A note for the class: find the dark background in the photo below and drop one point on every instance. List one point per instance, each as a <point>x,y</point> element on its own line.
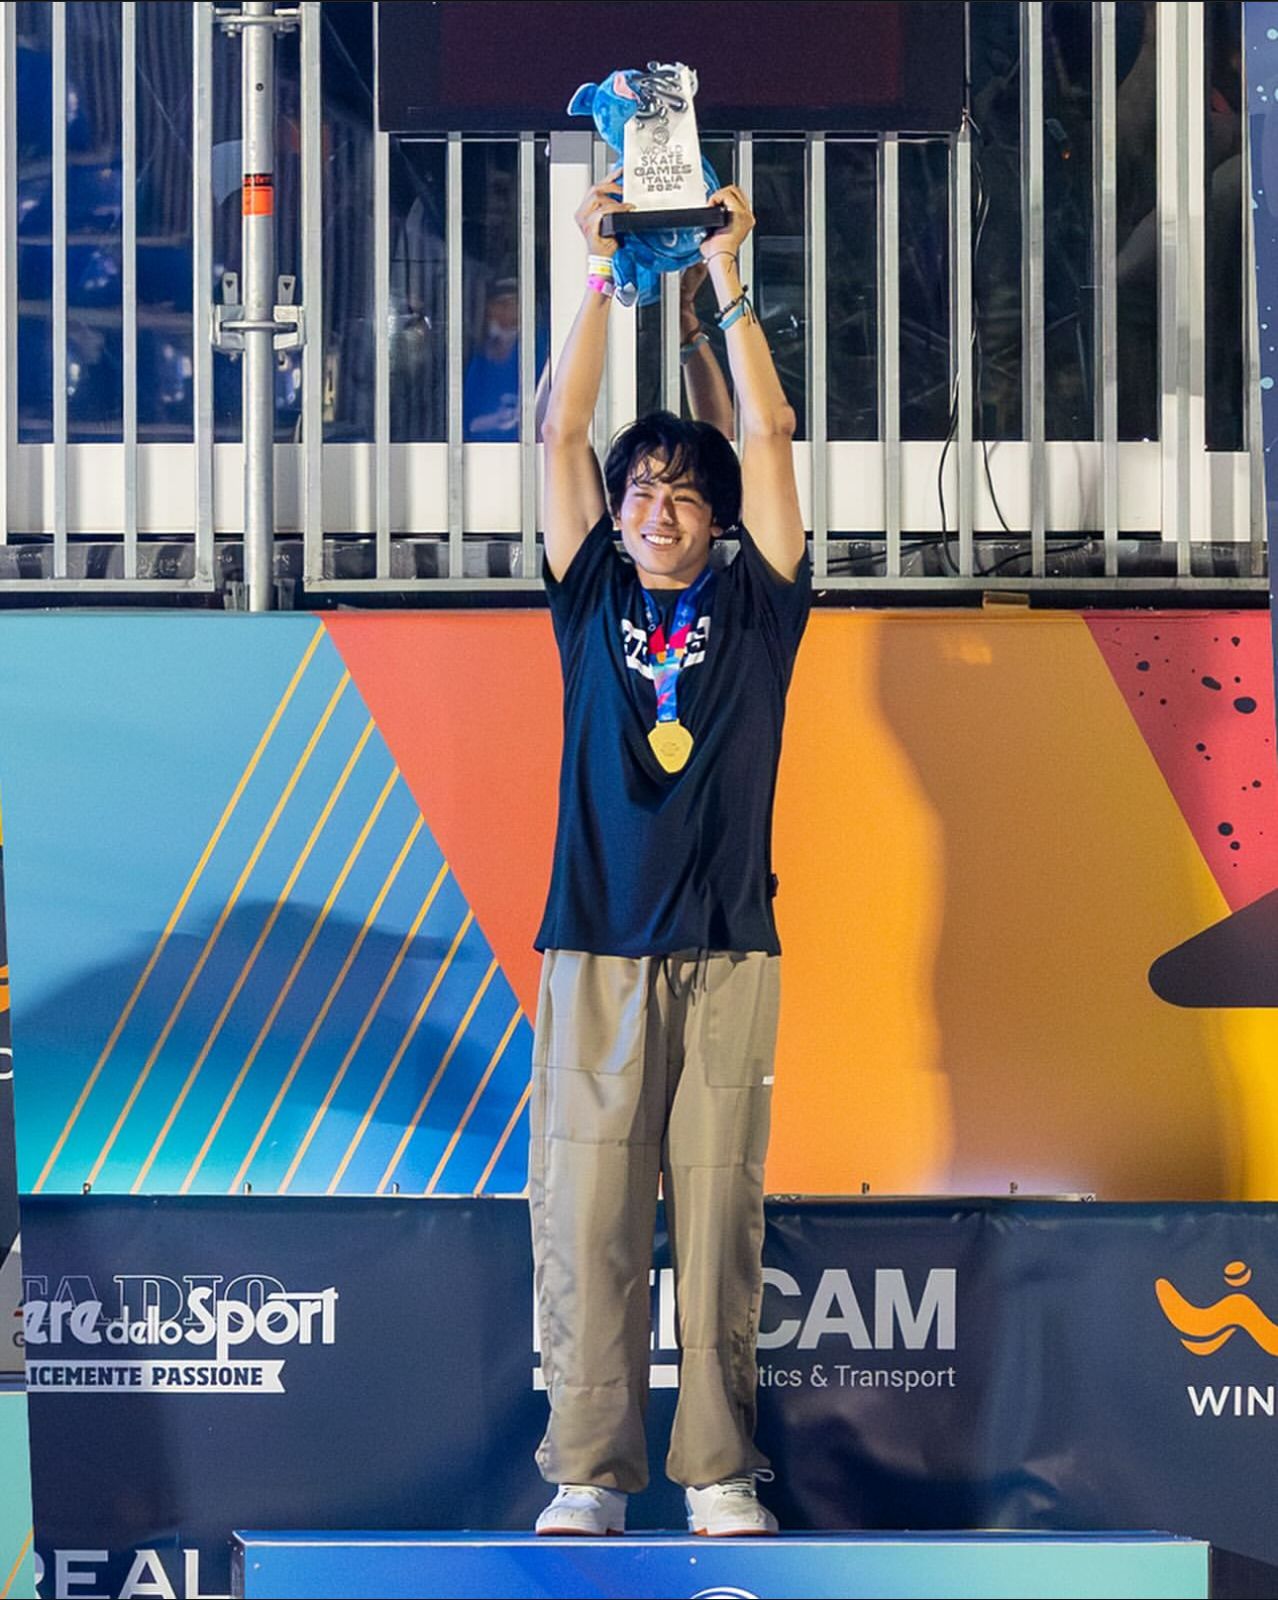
<point>805,64</point>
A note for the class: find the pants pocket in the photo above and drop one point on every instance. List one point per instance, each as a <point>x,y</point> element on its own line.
<point>589,1045</point>
<point>741,1006</point>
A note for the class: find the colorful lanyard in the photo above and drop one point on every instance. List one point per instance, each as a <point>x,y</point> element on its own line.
<point>665,657</point>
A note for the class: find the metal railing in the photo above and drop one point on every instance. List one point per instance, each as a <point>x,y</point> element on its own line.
<point>889,514</point>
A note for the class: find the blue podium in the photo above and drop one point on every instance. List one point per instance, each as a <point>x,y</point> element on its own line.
<point>914,1566</point>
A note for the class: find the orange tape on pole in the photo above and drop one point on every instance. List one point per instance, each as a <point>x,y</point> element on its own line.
<point>259,194</point>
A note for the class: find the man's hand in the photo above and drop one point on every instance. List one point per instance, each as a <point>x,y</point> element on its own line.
<point>601,200</point>
<point>728,240</point>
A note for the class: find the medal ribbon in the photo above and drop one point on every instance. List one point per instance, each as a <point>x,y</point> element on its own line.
<point>666,656</point>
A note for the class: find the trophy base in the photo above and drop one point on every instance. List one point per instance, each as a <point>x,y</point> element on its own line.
<point>617,223</point>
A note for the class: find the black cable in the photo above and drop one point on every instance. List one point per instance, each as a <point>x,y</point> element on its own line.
<point>978,369</point>
<point>982,212</point>
<point>978,359</point>
<point>1025,555</point>
<point>839,563</point>
<point>950,431</point>
<point>982,215</point>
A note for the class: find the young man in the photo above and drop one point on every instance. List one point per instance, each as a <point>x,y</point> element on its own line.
<point>657,1013</point>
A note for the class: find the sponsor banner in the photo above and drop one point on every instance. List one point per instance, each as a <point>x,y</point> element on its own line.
<point>208,1364</point>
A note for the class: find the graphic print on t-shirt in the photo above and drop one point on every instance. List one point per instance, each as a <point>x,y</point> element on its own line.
<point>634,644</point>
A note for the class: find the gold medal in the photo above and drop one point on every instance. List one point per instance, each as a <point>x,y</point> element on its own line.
<point>671,744</point>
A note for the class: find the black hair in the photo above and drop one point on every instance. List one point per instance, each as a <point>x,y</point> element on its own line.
<point>693,449</point>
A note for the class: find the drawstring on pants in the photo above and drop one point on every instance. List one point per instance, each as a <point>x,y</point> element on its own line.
<point>698,980</point>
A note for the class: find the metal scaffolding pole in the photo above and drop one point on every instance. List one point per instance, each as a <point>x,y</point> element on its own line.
<point>257,111</point>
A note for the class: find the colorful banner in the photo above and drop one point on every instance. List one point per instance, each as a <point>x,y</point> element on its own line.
<point>208,1364</point>
<point>922,1566</point>
<point>272,898</point>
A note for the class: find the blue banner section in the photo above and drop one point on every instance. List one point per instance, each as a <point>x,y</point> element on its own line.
<point>279,981</point>
<point>911,1566</point>
<point>214,1363</point>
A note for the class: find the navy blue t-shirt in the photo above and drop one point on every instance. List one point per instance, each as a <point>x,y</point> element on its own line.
<point>649,862</point>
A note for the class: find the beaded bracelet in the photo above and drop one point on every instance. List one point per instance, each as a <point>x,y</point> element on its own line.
<point>725,316</point>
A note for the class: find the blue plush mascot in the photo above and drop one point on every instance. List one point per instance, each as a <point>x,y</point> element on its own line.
<point>641,258</point>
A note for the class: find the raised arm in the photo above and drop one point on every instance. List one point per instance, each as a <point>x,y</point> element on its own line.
<point>703,380</point>
<point>574,493</point>
<point>769,494</point>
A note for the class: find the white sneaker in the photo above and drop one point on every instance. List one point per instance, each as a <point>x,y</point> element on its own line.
<point>582,1508</point>
<point>722,1510</point>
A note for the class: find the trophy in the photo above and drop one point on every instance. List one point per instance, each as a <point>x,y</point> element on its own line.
<point>661,157</point>
<point>648,117</point>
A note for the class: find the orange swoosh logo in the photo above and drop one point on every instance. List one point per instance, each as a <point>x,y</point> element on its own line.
<point>1206,1328</point>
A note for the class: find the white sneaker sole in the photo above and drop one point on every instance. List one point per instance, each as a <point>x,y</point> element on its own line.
<point>735,1533</point>
<point>580,1533</point>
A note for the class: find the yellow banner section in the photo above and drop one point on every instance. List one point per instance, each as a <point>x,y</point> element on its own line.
<point>979,861</point>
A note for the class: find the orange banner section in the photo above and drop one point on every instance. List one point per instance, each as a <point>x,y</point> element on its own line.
<point>468,704</point>
<point>979,861</point>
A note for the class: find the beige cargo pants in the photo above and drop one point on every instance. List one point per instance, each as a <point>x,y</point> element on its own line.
<point>653,1067</point>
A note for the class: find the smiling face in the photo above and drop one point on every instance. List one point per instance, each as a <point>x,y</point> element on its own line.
<point>666,527</point>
